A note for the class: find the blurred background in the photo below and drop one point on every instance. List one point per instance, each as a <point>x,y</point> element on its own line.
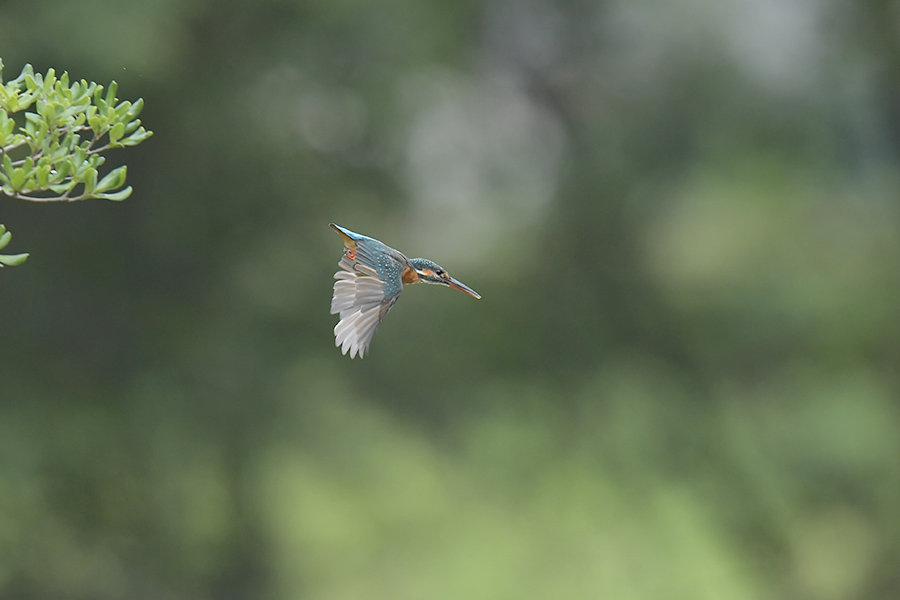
<point>683,380</point>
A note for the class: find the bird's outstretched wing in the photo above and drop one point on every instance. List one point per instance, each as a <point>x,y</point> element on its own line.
<point>363,297</point>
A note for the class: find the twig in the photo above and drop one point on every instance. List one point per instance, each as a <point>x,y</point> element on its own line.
<point>64,198</point>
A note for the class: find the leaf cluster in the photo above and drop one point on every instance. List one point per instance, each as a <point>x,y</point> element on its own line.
<point>53,151</point>
<point>53,134</point>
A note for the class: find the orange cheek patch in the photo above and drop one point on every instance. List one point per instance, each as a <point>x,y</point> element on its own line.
<point>409,276</point>
<point>351,254</point>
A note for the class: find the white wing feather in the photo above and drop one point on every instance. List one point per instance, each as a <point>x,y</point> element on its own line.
<point>360,300</point>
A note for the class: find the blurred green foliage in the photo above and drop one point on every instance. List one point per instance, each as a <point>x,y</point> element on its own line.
<point>682,380</point>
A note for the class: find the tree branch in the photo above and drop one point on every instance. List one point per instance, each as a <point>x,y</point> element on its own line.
<point>64,198</point>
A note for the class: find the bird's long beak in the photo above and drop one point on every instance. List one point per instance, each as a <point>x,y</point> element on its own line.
<point>454,283</point>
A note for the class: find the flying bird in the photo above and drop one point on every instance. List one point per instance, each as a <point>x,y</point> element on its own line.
<point>371,278</point>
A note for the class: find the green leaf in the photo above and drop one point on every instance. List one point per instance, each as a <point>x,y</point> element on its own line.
<point>17,179</point>
<point>11,260</point>
<point>137,137</point>
<point>136,108</point>
<point>43,176</point>
<point>96,124</point>
<point>62,188</point>
<point>111,93</point>
<point>116,133</point>
<point>26,71</point>
<point>25,100</point>
<point>115,179</point>
<point>64,169</point>
<point>49,81</point>
<point>123,109</point>
<point>7,125</point>
<point>5,236</point>
<point>90,181</point>
<point>116,196</point>
<point>48,110</point>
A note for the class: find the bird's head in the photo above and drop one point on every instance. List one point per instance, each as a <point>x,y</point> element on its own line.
<point>431,272</point>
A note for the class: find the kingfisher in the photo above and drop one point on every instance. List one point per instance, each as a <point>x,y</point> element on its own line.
<point>371,278</point>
